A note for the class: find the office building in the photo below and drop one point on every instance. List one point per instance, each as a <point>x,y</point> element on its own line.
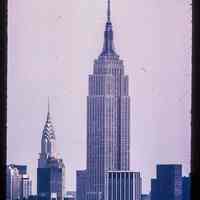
<point>25,186</point>
<point>81,184</point>
<point>123,185</point>
<point>33,197</point>
<point>168,183</point>
<point>25,182</point>
<point>51,169</point>
<point>21,168</point>
<point>145,197</point>
<point>19,184</point>
<point>186,188</point>
<point>70,195</point>
<point>13,181</point>
<point>108,116</point>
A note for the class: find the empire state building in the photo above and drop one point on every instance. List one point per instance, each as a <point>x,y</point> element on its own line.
<point>108,117</point>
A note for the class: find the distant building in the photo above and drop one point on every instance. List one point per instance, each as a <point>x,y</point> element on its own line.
<point>51,170</point>
<point>145,197</point>
<point>69,198</point>
<point>26,186</point>
<point>168,184</point>
<point>21,168</point>
<point>70,195</point>
<point>186,187</point>
<point>123,185</point>
<point>81,184</point>
<point>33,197</point>
<point>154,189</point>
<point>25,182</point>
<point>13,180</point>
<point>19,184</point>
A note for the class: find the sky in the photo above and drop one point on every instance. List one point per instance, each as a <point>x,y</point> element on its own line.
<point>51,48</point>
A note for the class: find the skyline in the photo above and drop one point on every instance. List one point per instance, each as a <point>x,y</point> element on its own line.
<point>56,87</point>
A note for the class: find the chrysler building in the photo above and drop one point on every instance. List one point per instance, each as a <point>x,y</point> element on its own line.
<point>51,169</point>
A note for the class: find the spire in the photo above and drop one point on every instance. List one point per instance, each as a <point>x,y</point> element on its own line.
<point>48,136</point>
<point>108,11</point>
<point>48,105</point>
<point>48,128</point>
<point>48,112</point>
<point>108,47</point>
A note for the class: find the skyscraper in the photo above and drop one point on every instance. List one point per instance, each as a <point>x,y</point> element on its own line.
<point>51,169</point>
<point>108,116</point>
<point>168,184</point>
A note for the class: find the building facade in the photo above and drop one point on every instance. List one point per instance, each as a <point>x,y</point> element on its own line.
<point>26,186</point>
<point>13,180</point>
<point>154,189</point>
<point>51,169</point>
<point>81,184</point>
<point>186,188</point>
<point>168,184</point>
<point>21,168</point>
<point>19,184</point>
<point>70,195</point>
<point>123,185</point>
<point>25,182</point>
<point>145,197</point>
<point>108,117</point>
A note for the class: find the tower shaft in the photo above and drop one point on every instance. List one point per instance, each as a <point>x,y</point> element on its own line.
<point>108,117</point>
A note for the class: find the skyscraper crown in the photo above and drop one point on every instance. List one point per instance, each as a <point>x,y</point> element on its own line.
<point>108,47</point>
<point>48,128</point>
<point>48,138</point>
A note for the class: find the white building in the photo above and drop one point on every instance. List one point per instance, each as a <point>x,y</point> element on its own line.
<point>19,184</point>
<point>13,179</point>
<point>123,185</point>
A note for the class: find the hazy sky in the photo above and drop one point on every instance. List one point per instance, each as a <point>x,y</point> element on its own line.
<point>52,45</point>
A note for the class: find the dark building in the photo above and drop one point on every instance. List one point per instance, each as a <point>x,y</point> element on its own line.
<point>51,170</point>
<point>21,168</point>
<point>51,179</point>
<point>154,189</point>
<point>168,184</point>
<point>81,184</point>
<point>145,197</point>
<point>69,198</point>
<point>33,197</point>
<point>186,185</point>
<point>123,185</point>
